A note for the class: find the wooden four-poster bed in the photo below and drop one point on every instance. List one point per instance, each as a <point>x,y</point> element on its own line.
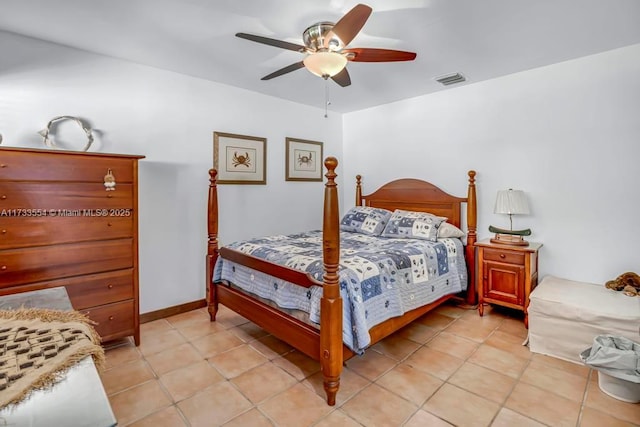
<point>325,343</point>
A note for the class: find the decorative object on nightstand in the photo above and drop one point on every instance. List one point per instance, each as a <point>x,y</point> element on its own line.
<point>510,202</point>
<point>506,274</point>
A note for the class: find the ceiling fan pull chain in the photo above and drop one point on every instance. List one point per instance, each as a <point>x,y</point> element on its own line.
<point>326,97</point>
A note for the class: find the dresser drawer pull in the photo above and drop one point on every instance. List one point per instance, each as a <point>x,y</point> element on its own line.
<point>3,197</point>
<point>503,256</point>
<point>3,165</point>
<point>110,286</point>
<point>3,268</point>
<point>109,195</point>
<point>3,231</point>
<point>109,224</point>
<point>110,318</point>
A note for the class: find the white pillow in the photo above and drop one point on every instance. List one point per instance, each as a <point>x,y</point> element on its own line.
<point>449,230</point>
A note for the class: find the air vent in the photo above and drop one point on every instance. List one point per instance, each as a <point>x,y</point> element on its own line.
<point>450,79</point>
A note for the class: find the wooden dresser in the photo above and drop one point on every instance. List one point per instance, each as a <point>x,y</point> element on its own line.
<point>61,226</point>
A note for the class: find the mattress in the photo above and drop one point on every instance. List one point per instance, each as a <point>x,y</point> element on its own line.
<point>380,278</point>
<point>565,316</point>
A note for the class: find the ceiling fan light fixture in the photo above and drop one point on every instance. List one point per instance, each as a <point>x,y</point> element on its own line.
<point>325,64</point>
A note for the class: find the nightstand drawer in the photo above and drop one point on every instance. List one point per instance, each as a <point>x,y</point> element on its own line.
<point>504,256</point>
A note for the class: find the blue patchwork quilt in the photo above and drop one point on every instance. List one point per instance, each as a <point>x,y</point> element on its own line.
<point>380,277</point>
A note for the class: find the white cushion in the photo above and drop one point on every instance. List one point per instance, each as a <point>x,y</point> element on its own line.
<point>565,316</point>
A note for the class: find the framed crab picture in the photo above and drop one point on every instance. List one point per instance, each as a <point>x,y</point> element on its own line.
<point>303,160</point>
<point>240,159</point>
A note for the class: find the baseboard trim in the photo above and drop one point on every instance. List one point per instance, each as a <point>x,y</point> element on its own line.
<point>172,311</point>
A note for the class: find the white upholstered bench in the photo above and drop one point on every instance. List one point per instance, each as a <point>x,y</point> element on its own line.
<point>565,316</point>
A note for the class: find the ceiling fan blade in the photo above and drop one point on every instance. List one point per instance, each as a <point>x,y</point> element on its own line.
<point>342,78</point>
<point>272,42</point>
<point>378,55</point>
<point>350,24</point>
<point>284,70</point>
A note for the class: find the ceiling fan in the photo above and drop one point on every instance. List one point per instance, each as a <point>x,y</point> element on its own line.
<point>325,48</point>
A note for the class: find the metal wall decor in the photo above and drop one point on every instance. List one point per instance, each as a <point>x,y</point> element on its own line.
<point>51,144</point>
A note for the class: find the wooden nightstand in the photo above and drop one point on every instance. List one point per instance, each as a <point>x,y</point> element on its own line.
<point>506,275</point>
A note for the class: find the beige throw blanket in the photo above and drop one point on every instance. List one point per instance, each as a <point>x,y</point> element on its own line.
<point>38,345</point>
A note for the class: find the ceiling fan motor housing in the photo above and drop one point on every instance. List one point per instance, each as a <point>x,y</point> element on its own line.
<point>314,37</point>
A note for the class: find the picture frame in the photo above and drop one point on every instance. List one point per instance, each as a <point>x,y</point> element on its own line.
<point>240,159</point>
<point>303,160</point>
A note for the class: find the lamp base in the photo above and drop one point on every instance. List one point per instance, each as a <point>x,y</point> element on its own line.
<point>509,239</point>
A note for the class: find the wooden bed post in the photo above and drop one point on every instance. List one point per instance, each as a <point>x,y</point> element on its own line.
<point>212,244</point>
<point>358,190</point>
<point>472,221</point>
<point>331,357</point>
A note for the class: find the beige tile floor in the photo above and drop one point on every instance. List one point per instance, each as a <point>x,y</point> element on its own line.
<point>450,367</point>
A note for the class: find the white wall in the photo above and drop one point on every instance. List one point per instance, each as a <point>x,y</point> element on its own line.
<point>566,134</point>
<point>169,118</point>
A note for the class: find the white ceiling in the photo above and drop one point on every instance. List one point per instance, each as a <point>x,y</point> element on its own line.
<point>481,39</point>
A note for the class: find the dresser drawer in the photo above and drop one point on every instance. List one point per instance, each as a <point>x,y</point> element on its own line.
<point>56,166</point>
<point>21,266</point>
<point>98,289</point>
<point>21,232</point>
<point>52,197</point>
<point>113,320</point>
<point>503,256</point>
<point>87,291</point>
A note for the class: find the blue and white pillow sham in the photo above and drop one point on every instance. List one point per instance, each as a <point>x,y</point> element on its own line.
<point>365,220</point>
<point>413,225</point>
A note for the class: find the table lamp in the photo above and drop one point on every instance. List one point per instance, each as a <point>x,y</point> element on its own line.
<point>510,202</point>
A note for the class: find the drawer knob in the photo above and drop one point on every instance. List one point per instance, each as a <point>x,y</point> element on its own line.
<point>110,286</point>
<point>3,165</point>
<point>3,268</point>
<point>109,224</point>
<point>109,195</point>
<point>3,231</point>
<point>3,197</point>
<point>502,255</point>
<point>110,317</point>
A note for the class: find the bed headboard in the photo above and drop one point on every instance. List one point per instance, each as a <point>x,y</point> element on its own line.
<point>417,195</point>
<point>422,196</point>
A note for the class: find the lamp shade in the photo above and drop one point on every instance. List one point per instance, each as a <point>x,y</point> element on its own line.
<point>512,202</point>
<point>325,64</point>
